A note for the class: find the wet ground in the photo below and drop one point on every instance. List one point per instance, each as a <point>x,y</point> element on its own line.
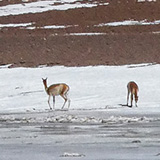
<point>95,141</point>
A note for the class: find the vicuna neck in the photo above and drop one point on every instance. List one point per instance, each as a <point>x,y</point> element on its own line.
<point>45,85</point>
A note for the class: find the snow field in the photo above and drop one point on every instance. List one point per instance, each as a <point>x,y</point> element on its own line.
<point>92,89</point>
<point>95,127</point>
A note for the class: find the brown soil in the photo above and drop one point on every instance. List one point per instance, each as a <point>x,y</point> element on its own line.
<point>120,45</point>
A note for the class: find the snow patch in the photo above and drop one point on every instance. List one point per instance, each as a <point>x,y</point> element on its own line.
<point>128,23</point>
<point>84,34</point>
<point>94,120</point>
<point>15,25</point>
<point>57,27</point>
<point>52,27</point>
<point>146,0</point>
<point>156,32</point>
<point>68,118</point>
<point>43,6</point>
<point>5,66</point>
<point>66,154</point>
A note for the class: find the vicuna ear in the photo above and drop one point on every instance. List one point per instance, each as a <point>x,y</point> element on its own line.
<point>44,79</point>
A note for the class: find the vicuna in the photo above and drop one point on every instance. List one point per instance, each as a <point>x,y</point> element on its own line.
<point>56,90</point>
<point>133,90</point>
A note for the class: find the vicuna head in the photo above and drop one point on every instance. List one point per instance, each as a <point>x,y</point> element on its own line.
<point>44,82</point>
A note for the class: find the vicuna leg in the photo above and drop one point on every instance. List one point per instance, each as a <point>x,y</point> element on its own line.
<point>65,100</point>
<point>69,101</point>
<point>131,99</point>
<point>49,102</point>
<point>135,101</point>
<point>136,104</point>
<point>53,102</point>
<point>127,97</point>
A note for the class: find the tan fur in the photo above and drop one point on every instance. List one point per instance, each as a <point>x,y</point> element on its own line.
<point>133,90</point>
<point>56,90</point>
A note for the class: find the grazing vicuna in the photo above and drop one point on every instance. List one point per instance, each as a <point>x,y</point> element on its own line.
<point>56,90</point>
<point>133,90</point>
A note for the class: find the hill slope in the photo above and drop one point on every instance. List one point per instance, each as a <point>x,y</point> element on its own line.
<point>76,33</point>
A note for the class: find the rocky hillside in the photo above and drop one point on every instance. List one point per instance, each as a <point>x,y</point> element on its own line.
<point>79,32</point>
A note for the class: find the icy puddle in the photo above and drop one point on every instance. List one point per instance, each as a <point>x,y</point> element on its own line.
<point>91,140</point>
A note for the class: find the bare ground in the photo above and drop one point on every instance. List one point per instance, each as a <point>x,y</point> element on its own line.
<point>120,45</point>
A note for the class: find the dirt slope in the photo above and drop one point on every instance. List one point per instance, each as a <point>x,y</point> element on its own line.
<point>116,46</point>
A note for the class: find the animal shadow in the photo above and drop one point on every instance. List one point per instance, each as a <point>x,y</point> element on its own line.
<point>125,105</point>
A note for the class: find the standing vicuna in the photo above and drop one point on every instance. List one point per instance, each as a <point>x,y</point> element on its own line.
<point>56,90</point>
<point>133,90</point>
